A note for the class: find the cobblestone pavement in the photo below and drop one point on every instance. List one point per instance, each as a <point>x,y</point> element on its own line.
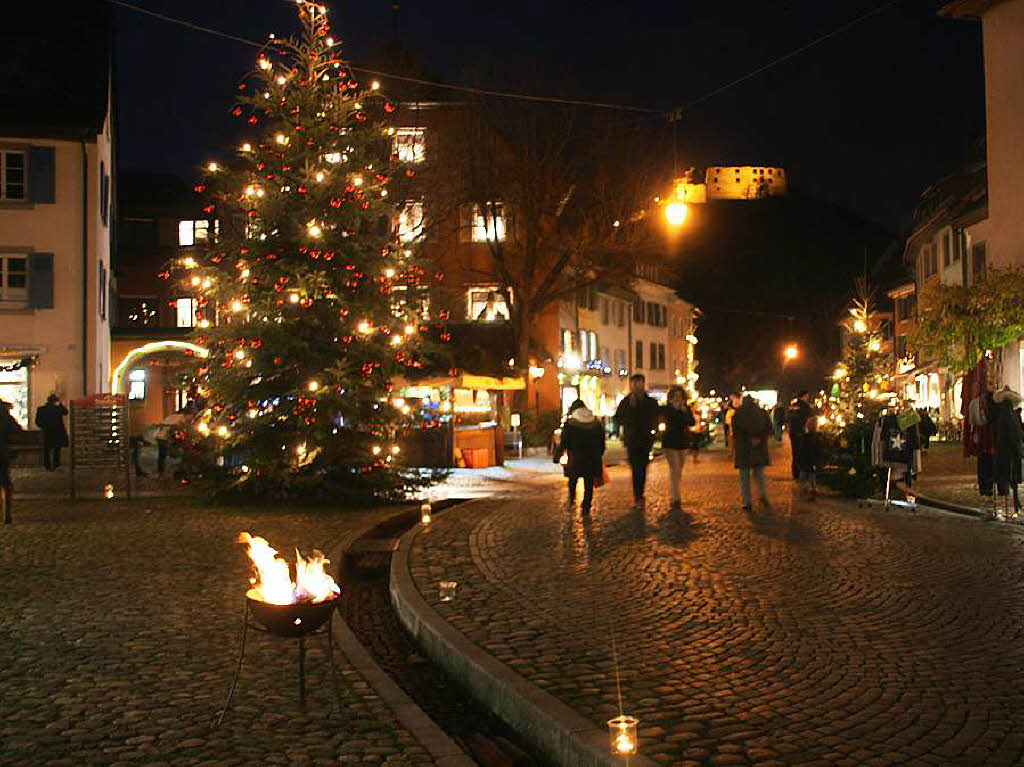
<point>119,632</point>
<point>948,476</point>
<point>804,635</point>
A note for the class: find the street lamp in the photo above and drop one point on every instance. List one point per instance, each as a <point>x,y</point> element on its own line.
<point>675,213</point>
<point>790,352</point>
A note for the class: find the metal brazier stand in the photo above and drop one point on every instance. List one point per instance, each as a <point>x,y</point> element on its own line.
<point>295,621</point>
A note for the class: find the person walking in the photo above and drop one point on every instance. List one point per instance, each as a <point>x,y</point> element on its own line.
<point>8,426</point>
<point>751,429</point>
<point>50,418</point>
<point>727,413</point>
<point>583,444</point>
<point>812,456</point>
<point>637,418</point>
<point>696,433</point>
<point>677,439</point>
<point>799,411</point>
<point>778,420</point>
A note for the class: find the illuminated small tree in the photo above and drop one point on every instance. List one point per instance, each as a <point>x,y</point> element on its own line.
<point>307,303</point>
<point>863,373</point>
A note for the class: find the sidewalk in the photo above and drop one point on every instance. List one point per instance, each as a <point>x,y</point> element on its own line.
<point>950,478</point>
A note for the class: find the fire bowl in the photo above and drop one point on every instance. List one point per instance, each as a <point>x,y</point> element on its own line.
<point>293,620</point>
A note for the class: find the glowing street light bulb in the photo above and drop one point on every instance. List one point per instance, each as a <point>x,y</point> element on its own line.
<point>313,386</point>
<point>676,212</point>
<point>791,352</point>
<point>212,167</point>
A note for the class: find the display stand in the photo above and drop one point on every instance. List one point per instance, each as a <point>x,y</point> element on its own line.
<point>99,443</point>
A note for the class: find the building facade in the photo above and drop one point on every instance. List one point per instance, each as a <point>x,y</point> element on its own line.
<point>1002,23</point>
<point>56,212</point>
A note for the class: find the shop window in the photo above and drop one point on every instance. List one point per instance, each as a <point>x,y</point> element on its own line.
<point>488,304</point>
<point>137,384</point>
<point>14,389</point>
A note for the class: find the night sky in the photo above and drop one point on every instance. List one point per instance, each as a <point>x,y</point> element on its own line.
<point>864,120</point>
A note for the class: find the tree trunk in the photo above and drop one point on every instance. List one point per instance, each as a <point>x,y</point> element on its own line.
<point>521,330</point>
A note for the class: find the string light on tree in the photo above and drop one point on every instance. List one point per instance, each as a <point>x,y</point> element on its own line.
<point>297,271</point>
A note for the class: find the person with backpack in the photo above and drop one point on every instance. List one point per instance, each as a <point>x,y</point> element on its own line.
<point>583,444</point>
<point>751,430</point>
<point>677,439</point>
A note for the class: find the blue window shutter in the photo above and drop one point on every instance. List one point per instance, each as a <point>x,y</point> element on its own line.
<point>40,280</point>
<point>42,174</point>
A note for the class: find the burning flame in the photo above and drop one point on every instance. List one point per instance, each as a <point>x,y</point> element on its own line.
<point>273,582</point>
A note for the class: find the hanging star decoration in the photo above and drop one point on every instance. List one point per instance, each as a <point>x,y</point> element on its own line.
<point>896,441</point>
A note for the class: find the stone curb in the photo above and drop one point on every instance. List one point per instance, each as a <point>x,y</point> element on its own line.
<point>565,736</point>
<point>444,751</point>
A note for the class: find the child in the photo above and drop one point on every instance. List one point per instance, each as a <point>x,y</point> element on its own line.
<point>812,454</point>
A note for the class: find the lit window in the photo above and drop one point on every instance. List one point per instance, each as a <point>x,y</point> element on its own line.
<point>193,232</point>
<point>13,281</point>
<point>12,175</point>
<point>185,312</point>
<point>410,144</point>
<point>14,389</point>
<point>488,304</point>
<point>484,223</point>
<point>138,311</point>
<point>136,384</point>
<point>409,223</point>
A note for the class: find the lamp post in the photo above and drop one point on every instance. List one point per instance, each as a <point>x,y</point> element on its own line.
<point>790,353</point>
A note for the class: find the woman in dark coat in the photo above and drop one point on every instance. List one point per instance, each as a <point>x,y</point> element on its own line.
<point>583,443</point>
<point>1003,410</point>
<point>751,429</point>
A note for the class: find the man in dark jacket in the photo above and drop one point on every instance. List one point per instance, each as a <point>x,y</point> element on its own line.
<point>50,418</point>
<point>583,443</point>
<point>799,411</point>
<point>8,426</point>
<point>637,418</point>
<point>751,430</point>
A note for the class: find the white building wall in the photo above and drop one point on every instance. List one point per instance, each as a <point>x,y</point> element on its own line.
<point>59,335</point>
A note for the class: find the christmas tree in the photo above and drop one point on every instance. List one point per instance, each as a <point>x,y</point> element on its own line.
<point>308,305</point>
<point>863,374</point>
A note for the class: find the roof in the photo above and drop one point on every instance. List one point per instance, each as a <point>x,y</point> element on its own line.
<point>966,9</point>
<point>55,72</point>
<point>960,198</point>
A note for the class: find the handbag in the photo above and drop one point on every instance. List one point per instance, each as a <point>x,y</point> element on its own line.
<point>908,418</point>
<point>604,478</point>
